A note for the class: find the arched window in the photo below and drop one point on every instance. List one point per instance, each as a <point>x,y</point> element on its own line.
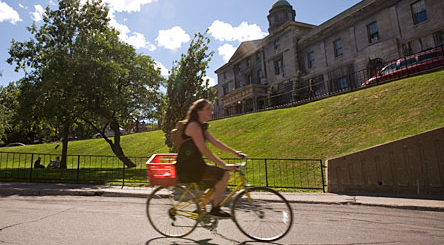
<point>374,65</point>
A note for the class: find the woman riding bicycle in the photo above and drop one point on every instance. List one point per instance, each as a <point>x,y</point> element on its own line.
<point>190,164</point>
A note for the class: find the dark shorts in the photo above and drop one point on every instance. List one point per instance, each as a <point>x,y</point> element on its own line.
<point>212,175</point>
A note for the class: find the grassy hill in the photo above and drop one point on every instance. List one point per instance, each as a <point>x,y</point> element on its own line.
<point>322,129</point>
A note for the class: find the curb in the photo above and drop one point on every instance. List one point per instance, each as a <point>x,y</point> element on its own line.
<point>105,193</point>
<point>407,207</point>
<point>47,192</point>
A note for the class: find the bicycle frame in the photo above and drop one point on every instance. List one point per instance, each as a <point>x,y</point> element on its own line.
<point>204,196</point>
<point>186,207</point>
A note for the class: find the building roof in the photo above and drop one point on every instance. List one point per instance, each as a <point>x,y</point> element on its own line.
<point>280,3</point>
<point>245,49</point>
<point>340,19</point>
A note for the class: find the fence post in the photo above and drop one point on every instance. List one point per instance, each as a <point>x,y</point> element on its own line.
<point>123,173</point>
<point>323,179</point>
<point>266,173</point>
<point>78,168</point>
<point>30,172</point>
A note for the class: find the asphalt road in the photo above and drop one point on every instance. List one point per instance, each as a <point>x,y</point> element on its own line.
<point>117,220</point>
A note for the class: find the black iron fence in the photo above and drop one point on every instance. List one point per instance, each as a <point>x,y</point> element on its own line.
<point>306,174</point>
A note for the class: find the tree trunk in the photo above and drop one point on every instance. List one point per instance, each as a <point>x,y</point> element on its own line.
<point>117,149</point>
<point>65,135</point>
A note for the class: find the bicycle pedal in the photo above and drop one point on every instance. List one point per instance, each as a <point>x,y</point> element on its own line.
<point>218,217</point>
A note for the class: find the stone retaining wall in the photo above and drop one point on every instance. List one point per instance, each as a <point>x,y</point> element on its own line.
<point>412,166</point>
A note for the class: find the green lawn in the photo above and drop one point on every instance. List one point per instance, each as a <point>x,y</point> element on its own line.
<point>322,129</point>
<point>340,124</point>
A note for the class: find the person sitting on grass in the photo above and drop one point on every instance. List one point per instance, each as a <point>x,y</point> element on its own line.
<point>37,163</point>
<point>55,163</point>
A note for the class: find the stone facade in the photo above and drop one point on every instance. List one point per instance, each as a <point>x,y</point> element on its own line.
<point>338,54</point>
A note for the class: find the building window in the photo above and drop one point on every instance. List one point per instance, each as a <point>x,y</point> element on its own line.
<point>373,32</point>
<point>225,75</point>
<point>237,84</point>
<point>237,69</point>
<point>248,79</point>
<point>225,88</point>
<point>260,75</point>
<point>419,12</point>
<point>407,48</point>
<point>278,66</point>
<point>438,37</point>
<point>337,44</point>
<point>343,82</point>
<point>311,59</point>
<point>258,56</point>
<point>277,44</point>
<point>248,62</point>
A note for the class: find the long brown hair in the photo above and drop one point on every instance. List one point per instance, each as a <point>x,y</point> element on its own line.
<point>197,105</point>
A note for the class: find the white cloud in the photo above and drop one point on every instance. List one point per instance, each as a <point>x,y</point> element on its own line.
<point>163,70</point>
<point>127,5</point>
<point>8,14</point>
<point>226,51</point>
<point>138,41</point>
<point>38,14</point>
<point>123,29</point>
<point>173,38</point>
<point>244,32</point>
<point>212,82</point>
<point>21,6</point>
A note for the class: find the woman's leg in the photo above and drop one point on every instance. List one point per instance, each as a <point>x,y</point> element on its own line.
<point>219,180</point>
<point>219,189</point>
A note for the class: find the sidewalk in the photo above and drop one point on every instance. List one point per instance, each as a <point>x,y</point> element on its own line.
<point>43,189</point>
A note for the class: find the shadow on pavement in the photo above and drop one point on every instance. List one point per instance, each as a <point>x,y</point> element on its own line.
<point>209,241</point>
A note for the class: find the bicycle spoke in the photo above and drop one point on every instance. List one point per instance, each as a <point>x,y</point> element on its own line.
<point>260,219</point>
<point>170,211</point>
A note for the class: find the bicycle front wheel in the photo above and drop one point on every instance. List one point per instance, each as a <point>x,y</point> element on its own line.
<point>262,214</point>
<point>172,211</point>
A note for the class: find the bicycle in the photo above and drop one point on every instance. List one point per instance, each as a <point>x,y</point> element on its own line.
<point>260,213</point>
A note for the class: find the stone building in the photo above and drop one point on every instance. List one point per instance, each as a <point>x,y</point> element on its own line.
<point>337,55</point>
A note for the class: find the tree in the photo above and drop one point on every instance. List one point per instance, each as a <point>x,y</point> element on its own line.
<point>3,122</point>
<point>115,86</point>
<point>5,115</point>
<point>186,83</point>
<point>300,90</point>
<point>8,114</point>
<point>272,96</point>
<point>79,70</point>
<point>49,58</point>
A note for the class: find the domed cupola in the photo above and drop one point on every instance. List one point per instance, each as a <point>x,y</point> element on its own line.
<point>280,12</point>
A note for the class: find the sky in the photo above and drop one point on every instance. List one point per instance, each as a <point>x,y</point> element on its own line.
<point>163,29</point>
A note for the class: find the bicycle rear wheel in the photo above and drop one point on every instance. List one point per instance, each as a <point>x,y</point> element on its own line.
<point>265,216</point>
<point>172,211</point>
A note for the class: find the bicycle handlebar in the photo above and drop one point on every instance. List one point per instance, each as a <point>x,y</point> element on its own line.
<point>243,157</point>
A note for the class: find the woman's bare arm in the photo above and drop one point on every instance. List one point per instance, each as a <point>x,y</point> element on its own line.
<point>219,144</point>
<point>195,132</point>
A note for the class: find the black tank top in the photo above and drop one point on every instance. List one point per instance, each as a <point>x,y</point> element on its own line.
<point>190,164</point>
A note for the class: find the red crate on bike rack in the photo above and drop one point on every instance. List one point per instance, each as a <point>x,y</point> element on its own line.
<point>160,169</point>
